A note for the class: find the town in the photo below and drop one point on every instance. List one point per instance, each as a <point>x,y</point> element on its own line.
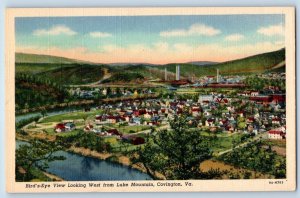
<point>233,112</point>
<point>211,109</point>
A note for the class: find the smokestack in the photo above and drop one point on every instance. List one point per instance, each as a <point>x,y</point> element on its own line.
<point>166,75</point>
<point>217,75</point>
<point>177,72</point>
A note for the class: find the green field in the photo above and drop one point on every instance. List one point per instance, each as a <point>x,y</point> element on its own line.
<point>71,116</point>
<point>128,129</point>
<point>69,133</point>
<point>223,141</point>
<point>118,145</point>
<point>62,134</point>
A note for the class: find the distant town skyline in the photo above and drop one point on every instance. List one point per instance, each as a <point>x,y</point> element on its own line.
<point>151,39</point>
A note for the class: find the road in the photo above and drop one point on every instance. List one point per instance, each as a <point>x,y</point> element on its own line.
<point>257,137</point>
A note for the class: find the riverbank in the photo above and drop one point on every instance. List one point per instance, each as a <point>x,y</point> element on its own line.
<point>40,175</point>
<point>52,176</point>
<point>112,157</point>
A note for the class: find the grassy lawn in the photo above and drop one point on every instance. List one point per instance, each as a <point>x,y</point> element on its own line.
<point>63,134</point>
<point>70,133</point>
<point>129,129</point>
<point>47,124</point>
<point>118,145</point>
<point>223,143</point>
<point>111,140</point>
<point>71,116</point>
<point>221,135</point>
<point>279,143</point>
<point>50,131</point>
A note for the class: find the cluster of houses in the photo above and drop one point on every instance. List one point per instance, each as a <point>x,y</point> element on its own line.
<point>252,112</point>
<point>136,140</point>
<point>272,75</point>
<point>273,102</point>
<point>135,117</point>
<point>92,93</point>
<point>202,113</point>
<point>218,78</point>
<point>70,126</point>
<point>210,81</point>
<point>64,127</point>
<point>101,131</point>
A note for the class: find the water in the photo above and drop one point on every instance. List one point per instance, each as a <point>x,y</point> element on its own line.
<point>80,168</point>
<point>30,115</point>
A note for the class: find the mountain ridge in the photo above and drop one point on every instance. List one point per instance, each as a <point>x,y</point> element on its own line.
<point>85,73</point>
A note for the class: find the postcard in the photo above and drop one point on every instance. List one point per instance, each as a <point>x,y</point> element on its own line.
<point>175,99</point>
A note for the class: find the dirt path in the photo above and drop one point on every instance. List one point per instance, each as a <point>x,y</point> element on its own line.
<point>242,145</point>
<point>53,177</point>
<point>106,75</point>
<point>281,64</point>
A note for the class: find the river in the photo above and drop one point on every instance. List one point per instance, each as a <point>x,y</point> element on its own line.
<point>81,168</point>
<point>51,113</point>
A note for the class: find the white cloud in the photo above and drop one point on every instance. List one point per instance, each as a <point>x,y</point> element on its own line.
<point>272,30</point>
<point>55,30</point>
<point>193,30</point>
<point>234,37</point>
<point>100,34</point>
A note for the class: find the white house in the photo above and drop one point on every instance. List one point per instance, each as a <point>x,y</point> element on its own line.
<point>254,93</point>
<point>276,134</point>
<point>202,98</point>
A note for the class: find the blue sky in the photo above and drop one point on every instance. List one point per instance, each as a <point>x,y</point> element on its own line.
<point>156,39</point>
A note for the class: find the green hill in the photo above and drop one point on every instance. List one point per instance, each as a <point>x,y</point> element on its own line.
<point>32,91</point>
<point>253,64</point>
<point>36,58</point>
<point>68,71</point>
<point>76,74</point>
<point>36,68</point>
<point>59,69</point>
<point>124,77</point>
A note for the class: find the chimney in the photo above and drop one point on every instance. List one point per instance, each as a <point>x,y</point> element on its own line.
<point>166,75</point>
<point>177,72</point>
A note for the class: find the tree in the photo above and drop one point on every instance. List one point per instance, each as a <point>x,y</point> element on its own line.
<point>176,153</point>
<point>37,154</point>
<point>242,125</point>
<point>44,112</point>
